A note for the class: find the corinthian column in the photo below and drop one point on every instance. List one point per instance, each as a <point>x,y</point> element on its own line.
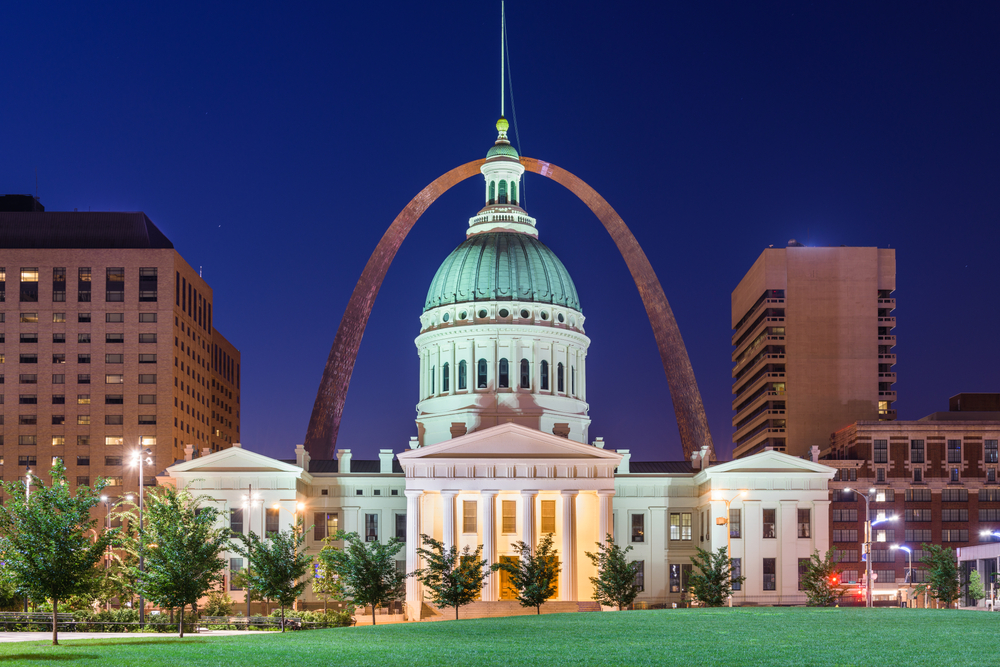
<point>567,578</point>
<point>487,519</point>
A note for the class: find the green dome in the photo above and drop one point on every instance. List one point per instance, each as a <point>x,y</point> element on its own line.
<point>502,266</point>
<point>502,149</point>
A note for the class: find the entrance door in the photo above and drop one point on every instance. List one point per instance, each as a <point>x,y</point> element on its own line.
<point>507,591</point>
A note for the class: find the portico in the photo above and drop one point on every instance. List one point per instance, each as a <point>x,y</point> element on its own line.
<point>506,484</point>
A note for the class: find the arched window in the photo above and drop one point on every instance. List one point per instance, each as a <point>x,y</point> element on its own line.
<point>461,374</point>
<point>559,378</point>
<point>444,377</point>
<point>502,193</point>
<point>481,374</point>
<point>503,375</point>
<point>525,375</point>
<point>433,373</point>
<point>572,379</point>
<point>513,192</point>
<point>545,375</point>
<point>493,192</point>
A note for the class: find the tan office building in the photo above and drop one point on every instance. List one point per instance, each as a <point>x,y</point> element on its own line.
<point>107,345</point>
<point>813,346</point>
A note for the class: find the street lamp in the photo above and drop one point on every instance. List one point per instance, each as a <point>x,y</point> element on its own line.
<point>141,458</point>
<point>724,521</point>
<point>909,567</point>
<point>868,542</point>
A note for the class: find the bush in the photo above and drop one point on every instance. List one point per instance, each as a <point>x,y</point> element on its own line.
<point>124,620</point>
<point>218,604</point>
<point>317,619</point>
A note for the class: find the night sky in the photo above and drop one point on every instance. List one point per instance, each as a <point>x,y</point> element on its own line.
<point>273,144</point>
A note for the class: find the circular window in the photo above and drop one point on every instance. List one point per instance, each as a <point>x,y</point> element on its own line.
<point>445,317</point>
<point>504,312</point>
<point>560,317</point>
<point>545,315</point>
<point>482,313</point>
<point>525,314</point>
<point>462,315</point>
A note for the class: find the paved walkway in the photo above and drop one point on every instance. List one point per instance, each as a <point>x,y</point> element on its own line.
<point>66,636</point>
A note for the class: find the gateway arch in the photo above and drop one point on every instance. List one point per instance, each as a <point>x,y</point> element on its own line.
<point>324,423</point>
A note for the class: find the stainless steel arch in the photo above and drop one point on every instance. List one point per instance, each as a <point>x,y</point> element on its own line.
<point>324,424</point>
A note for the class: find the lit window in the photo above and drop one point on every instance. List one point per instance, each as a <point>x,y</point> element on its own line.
<point>29,318</point>
<point>469,519</point>
<point>58,317</point>
<point>29,275</point>
<point>114,440</point>
<point>114,379</point>
<point>548,516</point>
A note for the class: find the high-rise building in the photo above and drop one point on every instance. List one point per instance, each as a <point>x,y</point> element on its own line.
<point>107,345</point>
<point>813,338</point>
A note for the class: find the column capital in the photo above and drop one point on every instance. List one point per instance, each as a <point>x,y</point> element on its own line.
<point>489,492</point>
<point>413,493</point>
<point>605,493</point>
<point>529,492</point>
<point>450,492</point>
<point>568,493</point>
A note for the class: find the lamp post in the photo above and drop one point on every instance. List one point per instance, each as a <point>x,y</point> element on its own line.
<point>909,567</point>
<point>724,521</point>
<point>868,543</point>
<point>141,458</point>
<point>27,499</point>
<point>107,525</point>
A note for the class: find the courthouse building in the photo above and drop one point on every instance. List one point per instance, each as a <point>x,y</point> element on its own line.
<point>503,453</point>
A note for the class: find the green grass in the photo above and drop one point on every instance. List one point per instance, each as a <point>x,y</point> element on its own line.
<point>690,637</point>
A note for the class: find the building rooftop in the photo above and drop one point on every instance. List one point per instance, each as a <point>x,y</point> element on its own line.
<point>358,466</point>
<point>659,467</point>
<point>72,229</point>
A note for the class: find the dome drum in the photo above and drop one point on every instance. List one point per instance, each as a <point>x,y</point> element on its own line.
<point>514,313</point>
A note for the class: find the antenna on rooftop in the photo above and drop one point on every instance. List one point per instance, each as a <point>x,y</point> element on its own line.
<point>503,31</point>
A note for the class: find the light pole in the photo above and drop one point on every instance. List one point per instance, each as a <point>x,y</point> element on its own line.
<point>27,499</point>
<point>724,521</point>
<point>141,458</point>
<point>909,567</point>
<point>868,543</point>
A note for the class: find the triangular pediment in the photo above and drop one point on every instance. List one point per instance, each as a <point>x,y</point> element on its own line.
<point>771,462</point>
<point>234,459</point>
<point>509,441</point>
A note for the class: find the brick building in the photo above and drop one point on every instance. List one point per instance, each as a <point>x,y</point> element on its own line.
<point>107,343</point>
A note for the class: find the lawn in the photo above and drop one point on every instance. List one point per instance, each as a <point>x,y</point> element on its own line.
<point>725,637</point>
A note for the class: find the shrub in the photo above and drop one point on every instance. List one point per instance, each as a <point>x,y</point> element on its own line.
<point>218,604</point>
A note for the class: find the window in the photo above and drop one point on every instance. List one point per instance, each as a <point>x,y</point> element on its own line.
<point>843,496</point>
<point>918,535</point>
<point>912,515</point>
<point>371,527</point>
<point>147,378</point>
<point>735,573</point>
<point>639,566</point>
<point>989,495</point>
<point>112,440</point>
<point>147,440</point>
<point>271,521</point>
<point>954,475</point>
<point>850,516</point>
<point>235,565</point>
<point>114,379</point>
<point>545,375</point>
<point>734,523</point>
<point>114,338</point>
<point>27,440</point>
<point>114,399</point>
<point>29,358</point>
<point>846,555</point>
<point>955,535</point>
<point>881,449</point>
<point>83,420</point>
<point>59,358</point>
<point>879,475</point>
<point>469,523</point>
<point>147,317</point>
<point>58,399</point>
<point>58,338</point>
<point>58,420</point>
<point>481,374</point>
<point>147,338</point>
<point>548,516</point>
<point>401,527</point>
<point>991,451</point>
<point>991,475</point>
<point>114,317</point>
<point>29,318</point>
<point>954,495</point>
<point>559,377</point>
<point>503,381</point>
<point>147,399</point>
<point>769,574</point>
<point>114,358</point>
<point>83,338</point>
<point>638,527</point>
<point>675,578</point>
<point>916,451</point>
<point>29,378</point>
<point>83,440</point>
<point>147,420</point>
<point>445,376</point>
<point>83,399</point>
<point>525,375</point>
<point>325,525</point>
<point>29,460</point>
<point>804,522</point>
<point>803,570</point>
<point>917,495</point>
<point>112,460</point>
<point>28,338</point>
<point>28,399</point>
<point>954,451</point>
<point>236,521</point>
<point>83,358</point>
<point>845,535</point>
<point>885,535</point>
<point>680,525</point>
<point>462,369</point>
<point>953,515</point>
<point>918,475</point>
<point>769,522</point>
<point>83,317</point>
<point>508,509</point>
<point>114,420</point>
<point>28,420</point>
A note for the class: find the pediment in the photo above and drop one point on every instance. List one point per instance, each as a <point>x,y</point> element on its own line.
<point>770,462</point>
<point>509,441</point>
<point>234,459</point>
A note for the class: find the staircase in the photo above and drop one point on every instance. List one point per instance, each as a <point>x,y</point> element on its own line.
<point>501,608</point>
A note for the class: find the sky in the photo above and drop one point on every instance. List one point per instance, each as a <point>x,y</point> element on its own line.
<point>274,143</point>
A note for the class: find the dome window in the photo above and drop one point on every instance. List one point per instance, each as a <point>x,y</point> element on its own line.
<point>502,193</point>
<point>461,374</point>
<point>572,379</point>
<point>560,385</point>
<point>503,381</point>
<point>525,375</point>
<point>504,312</point>
<point>545,375</point>
<point>493,193</point>
<point>525,314</point>
<point>445,317</point>
<point>560,318</point>
<point>513,193</point>
<point>462,315</point>
<point>433,373</point>
<point>545,315</point>
<point>445,377</point>
<point>482,313</point>
<point>481,374</point>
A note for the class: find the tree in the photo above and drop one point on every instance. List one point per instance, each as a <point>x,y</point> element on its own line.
<point>614,585</point>
<point>183,546</point>
<point>453,577</point>
<point>942,574</point>
<point>976,589</point>
<point>48,540</point>
<point>821,580</point>
<point>367,570</point>
<point>325,583</point>
<point>218,604</point>
<point>533,576</point>
<point>278,563</point>
<point>713,582</point>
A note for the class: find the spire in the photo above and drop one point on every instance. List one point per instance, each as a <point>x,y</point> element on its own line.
<point>503,32</point>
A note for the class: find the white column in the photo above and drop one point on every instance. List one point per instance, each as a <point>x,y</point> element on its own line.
<point>583,376</point>
<point>412,560</point>
<point>788,563</point>
<point>487,519</point>
<point>452,370</point>
<point>604,520</point>
<point>528,517</point>
<point>567,578</point>
<point>448,518</point>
